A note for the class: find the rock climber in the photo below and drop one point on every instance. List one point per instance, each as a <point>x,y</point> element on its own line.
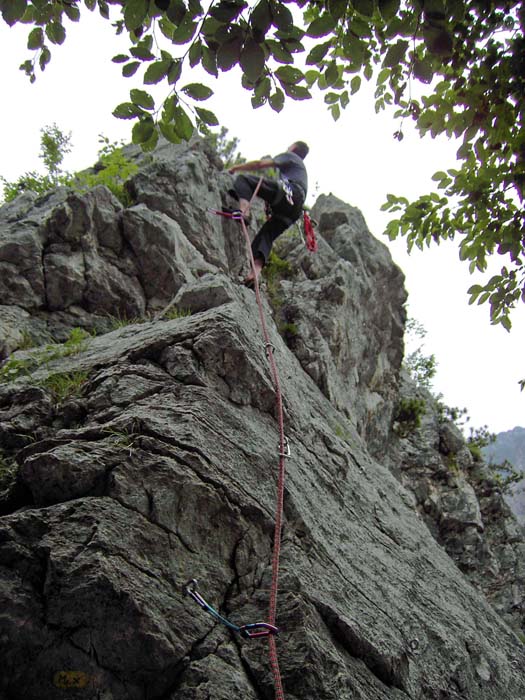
<point>285,198</point>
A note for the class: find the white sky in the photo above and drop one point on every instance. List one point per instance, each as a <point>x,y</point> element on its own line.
<point>356,158</point>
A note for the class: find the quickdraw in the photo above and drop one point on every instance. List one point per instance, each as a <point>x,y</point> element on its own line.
<point>253,630</point>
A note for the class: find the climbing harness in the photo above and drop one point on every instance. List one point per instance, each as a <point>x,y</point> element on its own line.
<point>250,631</point>
<point>260,629</point>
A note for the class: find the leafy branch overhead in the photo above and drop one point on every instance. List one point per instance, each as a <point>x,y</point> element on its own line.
<point>466,57</point>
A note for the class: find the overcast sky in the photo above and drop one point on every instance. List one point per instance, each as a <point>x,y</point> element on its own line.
<point>356,158</point>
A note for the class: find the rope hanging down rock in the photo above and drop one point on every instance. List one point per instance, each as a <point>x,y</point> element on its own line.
<point>283,454</point>
<point>261,629</point>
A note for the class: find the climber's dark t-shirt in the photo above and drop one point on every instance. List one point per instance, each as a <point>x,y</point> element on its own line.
<point>291,166</point>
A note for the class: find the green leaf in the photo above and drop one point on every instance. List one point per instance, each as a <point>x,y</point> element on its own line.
<point>423,70</point>
<point>282,18</point>
<point>152,141</point>
<point>120,58</point>
<point>55,32</point>
<point>169,133</point>
<point>388,8</point>
<point>135,12</point>
<point>260,17</point>
<point>321,26</point>
<point>142,130</point>
<point>331,98</point>
<point>207,117</point>
<point>337,8</point>
<point>184,31</point>
<point>142,52</point>
<point>395,54</point>
<point>278,51</point>
<point>355,84</point>
<point>354,50</point>
<point>317,54</point>
<point>35,40</point>
<point>72,12</point>
<point>197,91</point>
<point>331,74</point>
<point>176,12</point>
<point>277,100</point>
<point>263,88</point>
<point>45,57</point>
<point>183,125</point>
<point>156,71</point>
<point>209,61</point>
<point>229,54</point>
<point>142,99</point>
<point>195,53</point>
<point>226,10</point>
<point>288,75</point>
<point>175,71</point>
<point>311,77</point>
<point>335,112</point>
<point>169,105</point>
<point>195,8</point>
<point>103,8</point>
<point>252,60</point>
<point>505,322</point>
<point>13,11</point>
<point>127,110</point>
<point>297,92</point>
<point>364,7</point>
<point>438,40</point>
<point>130,69</point>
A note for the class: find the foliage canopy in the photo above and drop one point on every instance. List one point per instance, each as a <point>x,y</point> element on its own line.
<point>466,57</point>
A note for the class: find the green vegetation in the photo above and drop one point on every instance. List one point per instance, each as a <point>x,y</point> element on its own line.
<point>504,473</point>
<point>112,170</point>
<point>15,368</point>
<point>174,312</point>
<point>453,67</point>
<point>478,439</point>
<point>225,147</point>
<point>8,470</point>
<point>64,385</point>
<point>422,368</point>
<point>54,145</point>
<point>124,438</point>
<point>276,270</point>
<point>121,322</point>
<point>273,272</point>
<point>407,416</point>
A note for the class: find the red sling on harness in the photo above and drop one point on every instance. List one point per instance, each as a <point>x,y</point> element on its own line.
<point>311,241</point>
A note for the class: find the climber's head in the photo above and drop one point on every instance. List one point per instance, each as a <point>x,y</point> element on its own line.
<point>300,149</point>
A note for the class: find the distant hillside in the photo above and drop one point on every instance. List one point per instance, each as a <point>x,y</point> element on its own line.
<point>510,446</point>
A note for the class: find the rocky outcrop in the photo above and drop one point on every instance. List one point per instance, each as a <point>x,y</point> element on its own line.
<point>509,447</point>
<point>461,502</point>
<point>144,456</point>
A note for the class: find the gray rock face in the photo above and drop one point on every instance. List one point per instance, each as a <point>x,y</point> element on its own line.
<point>146,456</point>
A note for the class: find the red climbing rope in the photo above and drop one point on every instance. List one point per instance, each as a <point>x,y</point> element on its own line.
<point>283,453</point>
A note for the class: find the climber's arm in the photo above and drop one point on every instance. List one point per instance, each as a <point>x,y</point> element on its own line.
<point>252,165</point>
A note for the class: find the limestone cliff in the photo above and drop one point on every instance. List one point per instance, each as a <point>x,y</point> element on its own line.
<point>145,455</point>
